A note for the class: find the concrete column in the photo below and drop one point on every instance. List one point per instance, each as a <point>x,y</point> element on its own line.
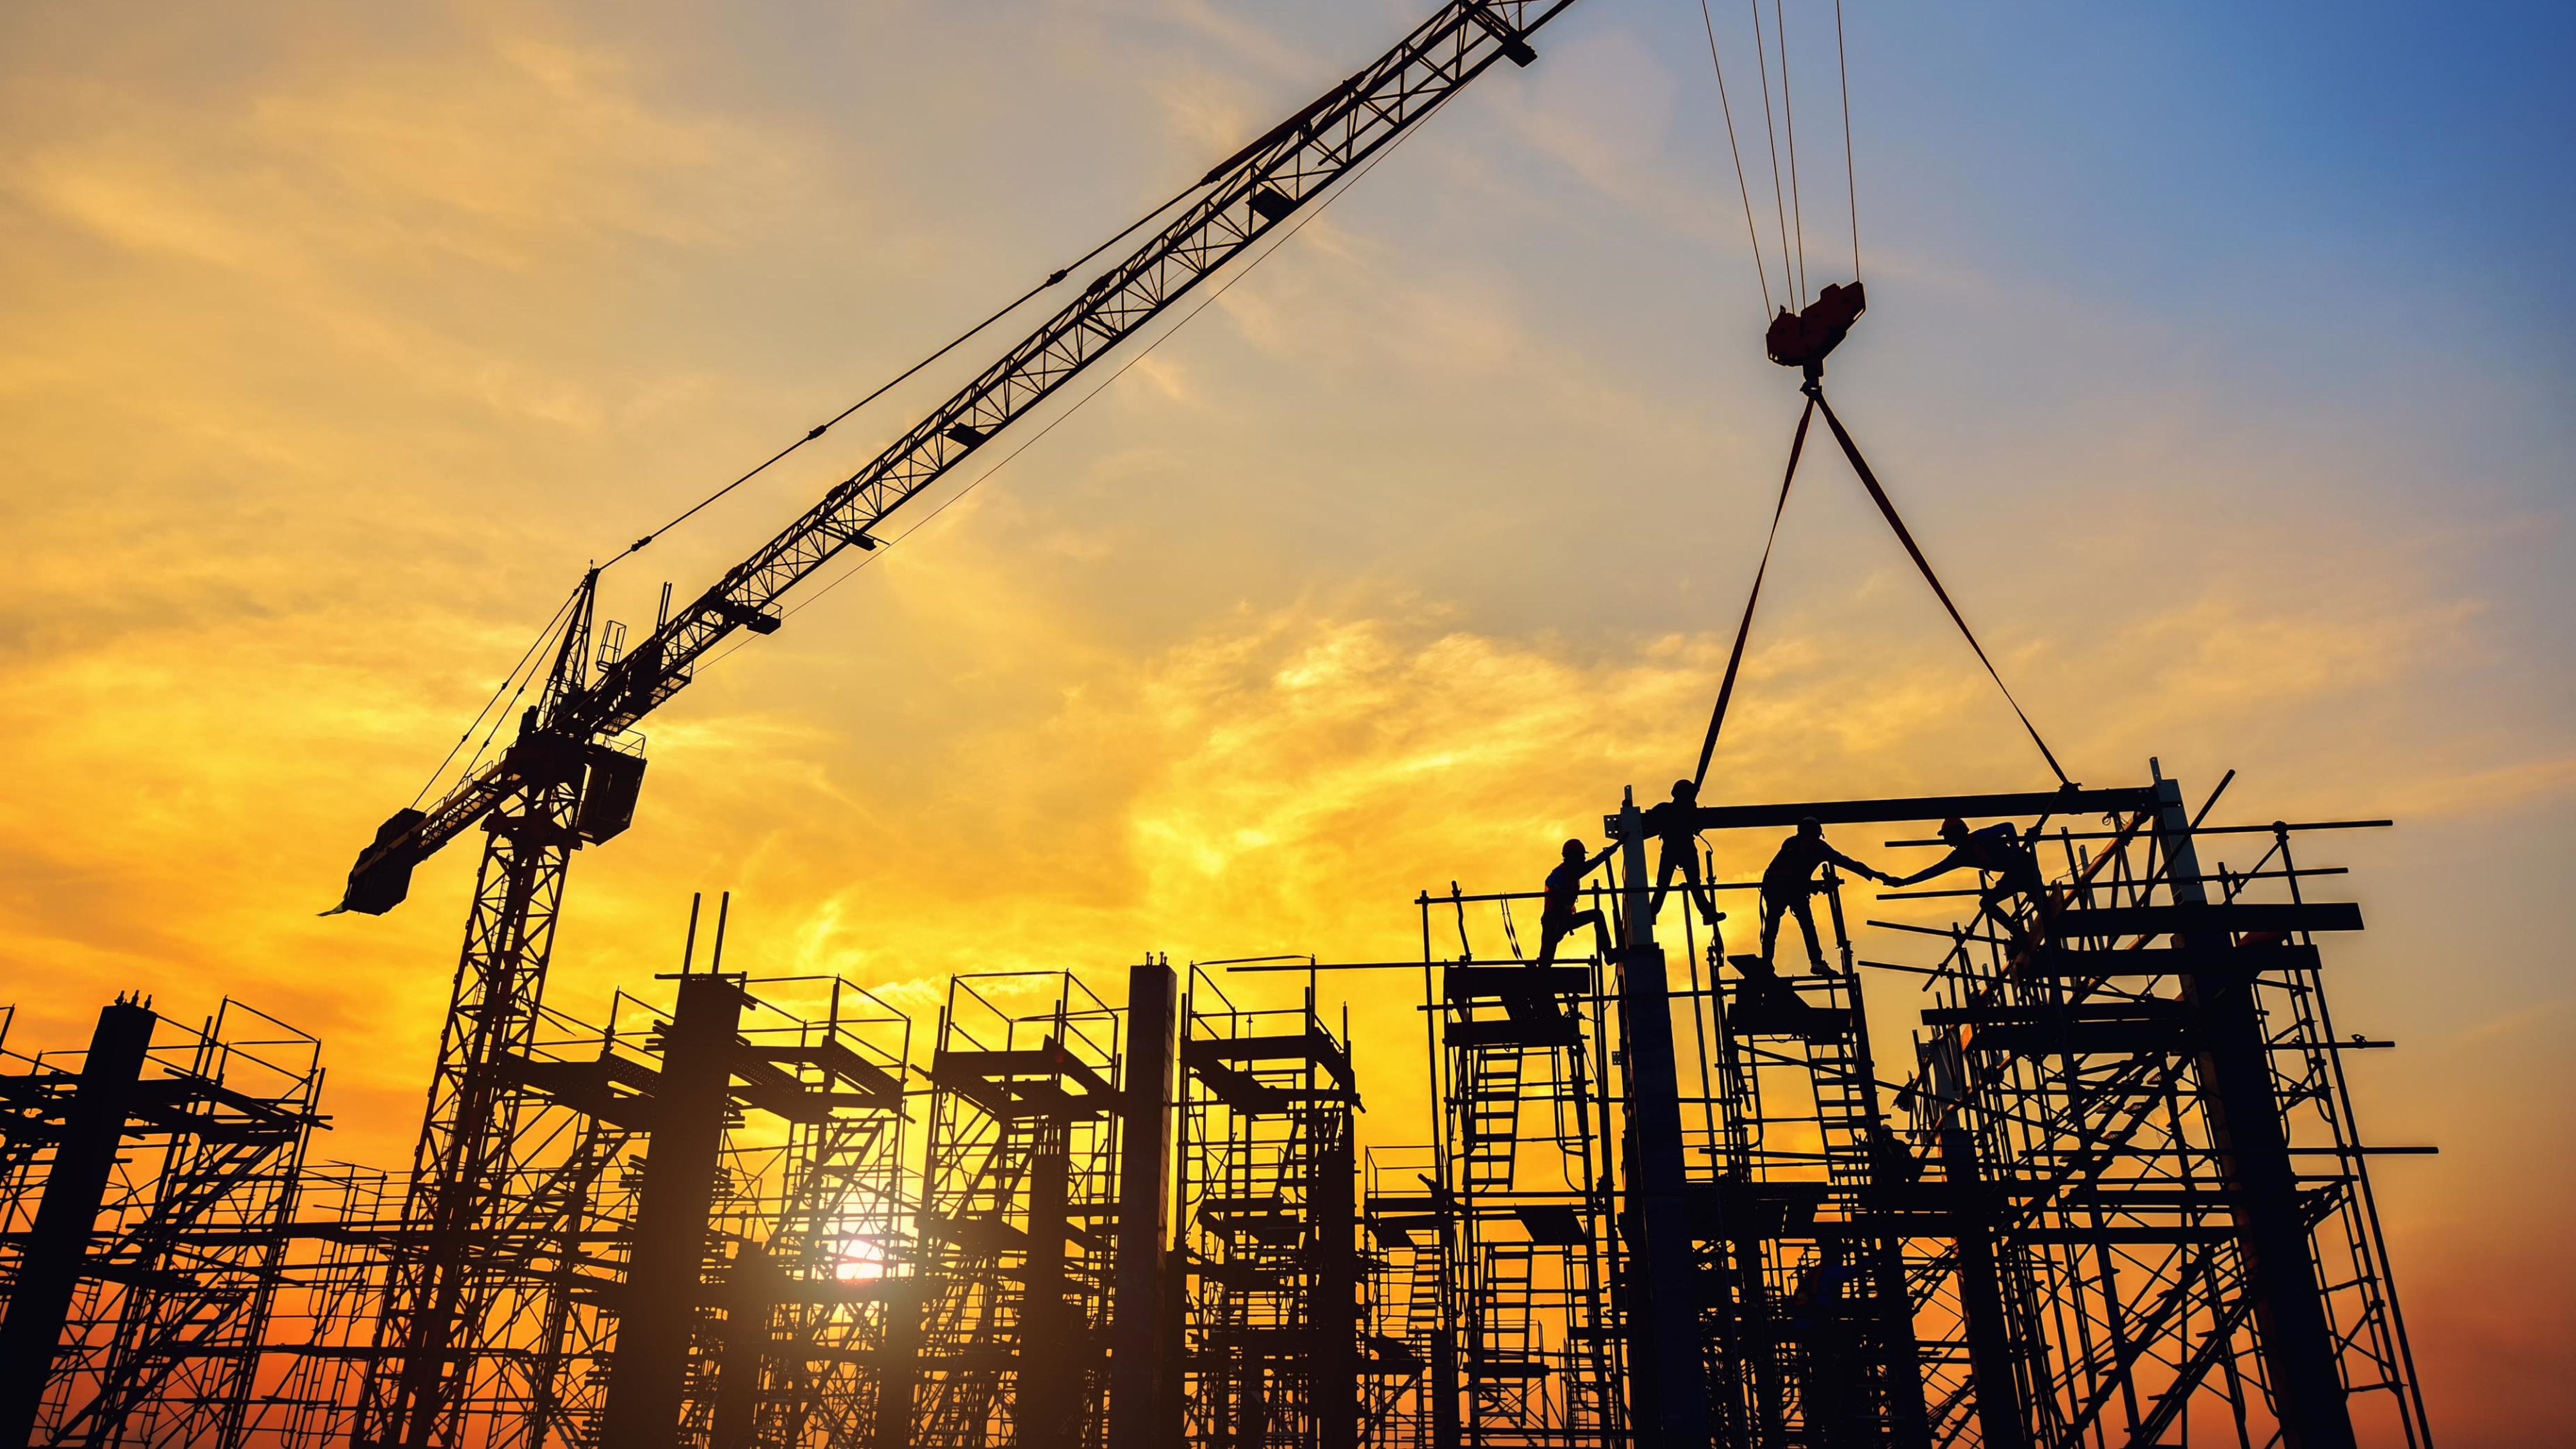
<point>2001,1417</point>
<point>1334,1315</point>
<point>1050,1348</point>
<point>648,1367</point>
<point>1142,1415</point>
<point>1668,1378</point>
<point>58,1242</point>
<point>898,1371</point>
<point>2235,1072</point>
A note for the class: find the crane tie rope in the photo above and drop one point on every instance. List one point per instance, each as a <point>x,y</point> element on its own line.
<point>1816,403</point>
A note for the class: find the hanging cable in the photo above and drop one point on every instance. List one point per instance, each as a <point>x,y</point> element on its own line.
<point>1744,628</point>
<point>544,634</point>
<point>1789,123</point>
<point>1905,536</point>
<point>1727,109</point>
<point>1058,275</point>
<point>1771,134</point>
<point>1851,179</point>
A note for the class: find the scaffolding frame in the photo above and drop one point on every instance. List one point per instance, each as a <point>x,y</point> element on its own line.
<point>1525,1202</point>
<point>151,1191</point>
<point>1269,1222</point>
<point>2088,1086</point>
<point>1019,1176</point>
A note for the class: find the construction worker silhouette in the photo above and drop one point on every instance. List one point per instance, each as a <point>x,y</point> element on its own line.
<point>1791,878</point>
<point>2001,852</point>
<point>1557,916</point>
<point>1672,823</point>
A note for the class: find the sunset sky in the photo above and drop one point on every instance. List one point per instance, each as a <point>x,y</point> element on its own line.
<point>2220,357</point>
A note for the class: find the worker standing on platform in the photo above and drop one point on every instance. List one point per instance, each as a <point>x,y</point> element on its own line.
<point>1998,850</point>
<point>1557,916</point>
<point>1791,878</point>
<point>1676,824</point>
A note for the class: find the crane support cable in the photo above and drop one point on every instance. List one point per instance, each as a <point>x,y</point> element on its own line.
<point>1244,201</point>
<point>1744,627</point>
<point>1744,192</point>
<point>1851,178</point>
<point>1887,509</point>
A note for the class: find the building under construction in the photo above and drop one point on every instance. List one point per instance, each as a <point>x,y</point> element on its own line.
<point>2059,1153</point>
<point>2090,1176</point>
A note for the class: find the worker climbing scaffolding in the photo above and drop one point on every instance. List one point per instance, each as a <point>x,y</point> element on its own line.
<point>1557,916</point>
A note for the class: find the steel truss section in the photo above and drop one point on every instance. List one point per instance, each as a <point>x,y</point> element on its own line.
<point>1525,1201</point>
<point>512,1291</point>
<point>1019,1195</point>
<point>1270,1227</point>
<point>151,1187</point>
<point>322,1323</point>
<point>2138,1085</point>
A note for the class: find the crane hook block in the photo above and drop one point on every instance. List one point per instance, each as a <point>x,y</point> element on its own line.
<point>1801,339</point>
<point>381,877</point>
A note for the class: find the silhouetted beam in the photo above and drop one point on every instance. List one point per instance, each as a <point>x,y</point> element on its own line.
<point>1924,807</point>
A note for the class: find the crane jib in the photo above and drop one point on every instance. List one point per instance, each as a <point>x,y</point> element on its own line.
<point>1244,199</point>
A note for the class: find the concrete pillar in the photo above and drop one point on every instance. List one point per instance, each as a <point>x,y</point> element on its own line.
<point>2235,1072</point>
<point>1334,1315</point>
<point>1668,1378</point>
<point>648,1367</point>
<point>2001,1417</point>
<point>58,1242</point>
<point>1143,1406</point>
<point>1050,1345</point>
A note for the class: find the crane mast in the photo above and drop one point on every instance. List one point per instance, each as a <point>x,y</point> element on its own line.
<point>566,780</point>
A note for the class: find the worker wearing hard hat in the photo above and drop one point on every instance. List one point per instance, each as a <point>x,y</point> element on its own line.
<point>1791,878</point>
<point>1557,916</point>
<point>2000,851</point>
<point>1675,823</point>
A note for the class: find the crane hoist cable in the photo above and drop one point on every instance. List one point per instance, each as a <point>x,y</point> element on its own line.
<point>1802,337</point>
<point>1780,133</point>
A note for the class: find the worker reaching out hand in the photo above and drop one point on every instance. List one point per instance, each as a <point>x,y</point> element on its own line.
<point>1998,850</point>
<point>1791,878</point>
<point>1557,916</point>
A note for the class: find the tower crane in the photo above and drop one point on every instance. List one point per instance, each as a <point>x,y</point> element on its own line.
<point>572,775</point>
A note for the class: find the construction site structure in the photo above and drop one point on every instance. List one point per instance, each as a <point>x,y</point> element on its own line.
<point>572,774</point>
<point>2119,1197</point>
<point>148,1190</point>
